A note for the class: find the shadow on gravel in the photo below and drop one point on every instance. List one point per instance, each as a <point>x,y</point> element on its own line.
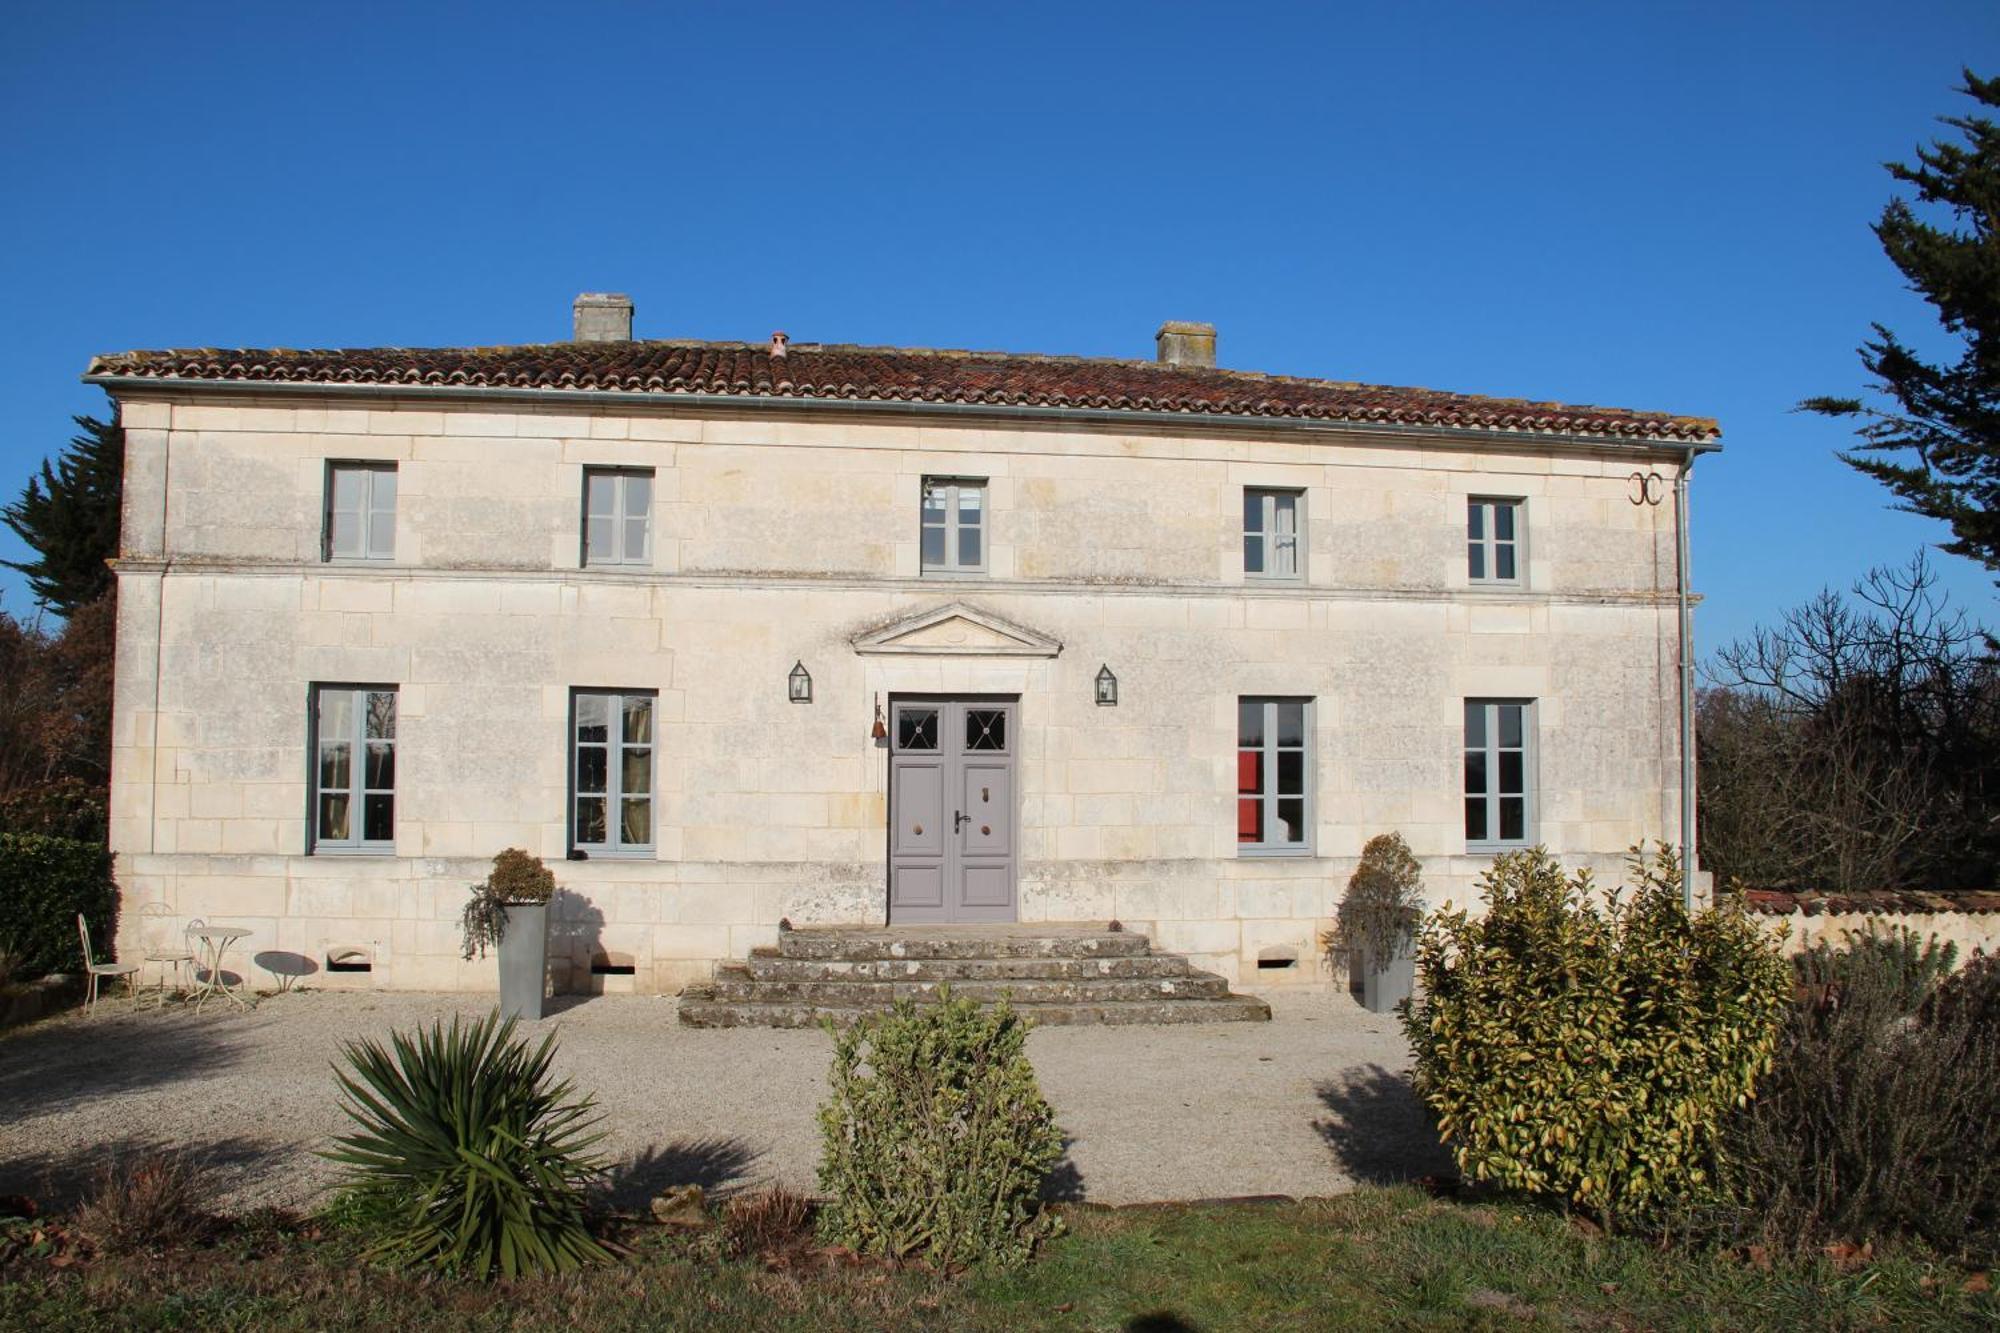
<point>51,1067</point>
<point>715,1164</point>
<point>1063,1183</point>
<point>61,1180</point>
<point>1378,1129</point>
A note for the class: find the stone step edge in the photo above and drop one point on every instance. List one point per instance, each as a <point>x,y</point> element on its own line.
<point>1097,990</point>
<point>697,1012</point>
<point>811,946</point>
<point>762,967</point>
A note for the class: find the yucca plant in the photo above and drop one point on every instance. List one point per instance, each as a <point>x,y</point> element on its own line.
<point>468,1159</point>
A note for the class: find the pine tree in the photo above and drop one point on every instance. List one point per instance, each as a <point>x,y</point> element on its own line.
<point>1938,448</point>
<point>69,516</point>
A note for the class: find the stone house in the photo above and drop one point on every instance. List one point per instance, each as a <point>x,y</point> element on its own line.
<point>733,633</point>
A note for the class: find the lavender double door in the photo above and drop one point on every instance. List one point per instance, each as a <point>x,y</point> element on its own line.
<point>951,810</point>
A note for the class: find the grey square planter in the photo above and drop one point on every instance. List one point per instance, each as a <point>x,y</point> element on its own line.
<point>524,961</point>
<point>1387,982</point>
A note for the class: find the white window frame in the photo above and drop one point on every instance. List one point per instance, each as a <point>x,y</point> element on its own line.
<point>1492,795</point>
<point>357,789</point>
<point>1269,796</point>
<point>373,505</point>
<point>1487,545</point>
<point>623,512</point>
<point>1268,534</point>
<point>952,488</point>
<point>614,793</point>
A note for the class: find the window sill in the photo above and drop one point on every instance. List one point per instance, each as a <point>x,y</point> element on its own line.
<point>1495,848</point>
<point>953,573</point>
<point>620,854</point>
<point>1274,853</point>
<point>385,852</point>
<point>359,561</point>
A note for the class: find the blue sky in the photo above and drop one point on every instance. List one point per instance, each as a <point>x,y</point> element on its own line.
<point>1651,206</point>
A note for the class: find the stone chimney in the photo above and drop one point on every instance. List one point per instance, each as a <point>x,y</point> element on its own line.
<point>1185,344</point>
<point>603,317</point>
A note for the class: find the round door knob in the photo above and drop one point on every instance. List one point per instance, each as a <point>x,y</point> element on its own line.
<point>918,829</point>
<point>986,829</point>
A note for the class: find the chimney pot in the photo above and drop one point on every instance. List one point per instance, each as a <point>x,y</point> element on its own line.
<point>779,341</point>
<point>1185,344</point>
<point>603,317</point>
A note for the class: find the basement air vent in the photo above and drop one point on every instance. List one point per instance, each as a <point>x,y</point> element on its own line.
<point>613,965</point>
<point>1277,959</point>
<point>348,960</point>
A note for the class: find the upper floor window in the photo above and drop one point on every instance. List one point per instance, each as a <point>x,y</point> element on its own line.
<point>1493,540</point>
<point>611,771</point>
<point>617,516</point>
<point>954,525</point>
<point>1273,786</point>
<point>1499,785</point>
<point>360,512</point>
<point>1272,522</point>
<point>354,768</point>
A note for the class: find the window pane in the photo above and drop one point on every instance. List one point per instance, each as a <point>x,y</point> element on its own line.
<point>593,715</point>
<point>1475,520</point>
<point>971,499</point>
<point>1285,556</point>
<point>1291,723</point>
<point>1475,819</point>
<point>1249,721</point>
<point>378,818</point>
<point>381,718</point>
<point>336,714</point>
<point>636,825</point>
<point>1513,819</point>
<point>1475,726</point>
<point>933,547</point>
<point>935,499</point>
<point>1503,522</point>
<point>381,771</point>
<point>1291,772</point>
<point>1285,513</point>
<point>601,493</point>
<point>1249,819</point>
<point>349,486</point>
<point>1253,554</point>
<point>1253,511</point>
<point>969,556</point>
<point>590,819</point>
<point>985,729</point>
<point>382,533</point>
<point>1510,724</point>
<point>1503,562</point>
<point>600,532</point>
<point>635,773</point>
<point>1475,773</point>
<point>346,537</point>
<point>635,539</point>
<point>1250,771</point>
<point>335,771</point>
<point>592,767</point>
<point>638,719</point>
<point>1475,557</point>
<point>333,817</point>
<point>638,494</point>
<point>1510,772</point>
<point>383,489</point>
<point>916,729</point>
<point>1291,820</point>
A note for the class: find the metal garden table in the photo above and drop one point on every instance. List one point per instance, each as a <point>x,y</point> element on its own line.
<point>215,941</point>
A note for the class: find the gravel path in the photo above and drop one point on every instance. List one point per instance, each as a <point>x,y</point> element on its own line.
<point>1306,1104</point>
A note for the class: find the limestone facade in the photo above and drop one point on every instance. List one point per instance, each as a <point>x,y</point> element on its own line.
<point>786,537</point>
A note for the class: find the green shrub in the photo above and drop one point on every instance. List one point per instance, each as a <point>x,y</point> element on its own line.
<point>467,1158</point>
<point>65,808</point>
<point>936,1137</point>
<point>1881,1117</point>
<point>1591,1051</point>
<point>44,883</point>
<point>1384,903</point>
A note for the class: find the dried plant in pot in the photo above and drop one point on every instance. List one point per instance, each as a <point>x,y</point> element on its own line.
<point>509,911</point>
<point>1376,923</point>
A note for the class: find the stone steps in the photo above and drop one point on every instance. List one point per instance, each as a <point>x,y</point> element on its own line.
<point>1053,975</point>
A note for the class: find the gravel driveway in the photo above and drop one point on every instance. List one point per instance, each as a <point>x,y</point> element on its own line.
<point>1306,1104</point>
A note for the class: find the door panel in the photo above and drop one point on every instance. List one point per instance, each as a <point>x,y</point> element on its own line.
<point>951,810</point>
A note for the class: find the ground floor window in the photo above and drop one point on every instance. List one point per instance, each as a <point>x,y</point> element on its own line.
<point>1273,770</point>
<point>611,771</point>
<point>354,768</point>
<point>1499,788</point>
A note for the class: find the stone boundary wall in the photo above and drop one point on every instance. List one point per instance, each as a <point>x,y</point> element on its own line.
<point>1971,921</point>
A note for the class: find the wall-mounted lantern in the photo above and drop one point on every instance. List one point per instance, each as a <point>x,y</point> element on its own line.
<point>801,683</point>
<point>1107,688</point>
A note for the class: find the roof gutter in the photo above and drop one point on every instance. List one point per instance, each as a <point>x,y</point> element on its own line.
<point>1567,441</point>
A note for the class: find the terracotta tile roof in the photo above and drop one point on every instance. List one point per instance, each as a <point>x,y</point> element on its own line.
<point>899,374</point>
<point>1783,902</point>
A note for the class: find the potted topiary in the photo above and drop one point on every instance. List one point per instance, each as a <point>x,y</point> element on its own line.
<point>510,910</point>
<point>1378,919</point>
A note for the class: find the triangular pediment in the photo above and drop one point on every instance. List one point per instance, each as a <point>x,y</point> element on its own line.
<point>955,630</point>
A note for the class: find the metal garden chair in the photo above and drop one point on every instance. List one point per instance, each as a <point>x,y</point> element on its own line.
<point>95,970</point>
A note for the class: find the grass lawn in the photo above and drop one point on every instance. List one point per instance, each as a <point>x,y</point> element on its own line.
<point>1380,1258</point>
